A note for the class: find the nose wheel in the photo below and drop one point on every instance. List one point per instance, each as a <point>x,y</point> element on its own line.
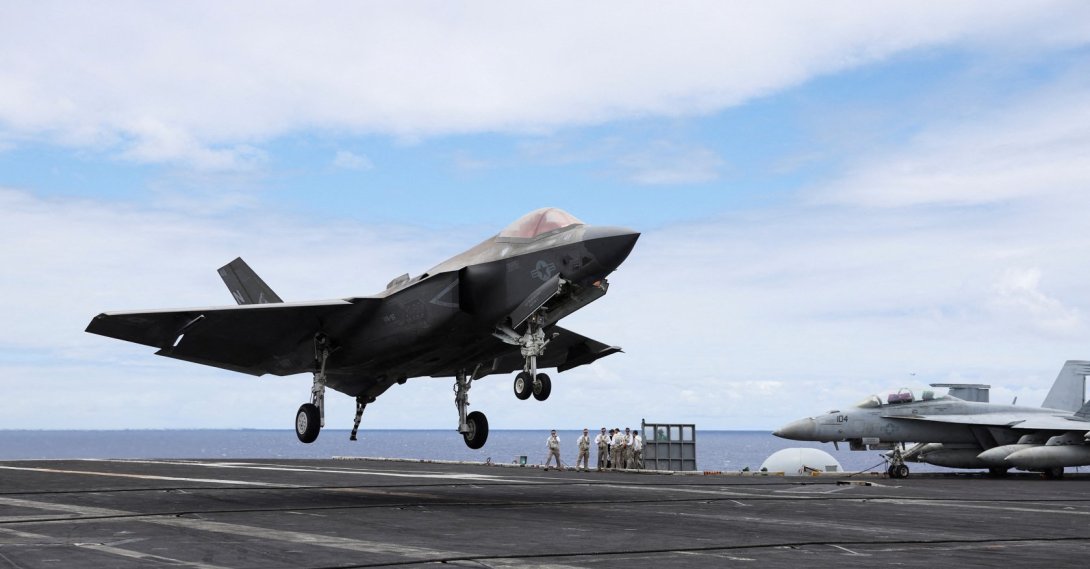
<point>532,344</point>
<point>524,385</point>
<point>543,386</point>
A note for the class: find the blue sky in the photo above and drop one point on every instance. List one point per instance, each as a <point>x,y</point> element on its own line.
<point>833,197</point>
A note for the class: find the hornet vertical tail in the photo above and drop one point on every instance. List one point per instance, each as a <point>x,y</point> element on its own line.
<point>1069,390</point>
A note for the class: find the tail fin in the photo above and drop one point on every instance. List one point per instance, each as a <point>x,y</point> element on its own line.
<point>1069,391</point>
<point>245,285</point>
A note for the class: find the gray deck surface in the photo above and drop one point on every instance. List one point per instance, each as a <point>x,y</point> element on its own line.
<point>359,513</point>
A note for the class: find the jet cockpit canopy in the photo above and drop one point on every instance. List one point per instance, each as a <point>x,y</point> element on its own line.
<point>901,395</point>
<point>539,222</point>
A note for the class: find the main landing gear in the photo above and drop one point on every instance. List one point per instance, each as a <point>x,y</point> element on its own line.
<point>897,467</point>
<point>473,426</point>
<point>532,344</point>
<point>310,418</point>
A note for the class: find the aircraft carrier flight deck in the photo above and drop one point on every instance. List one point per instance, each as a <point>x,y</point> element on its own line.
<point>370,513</point>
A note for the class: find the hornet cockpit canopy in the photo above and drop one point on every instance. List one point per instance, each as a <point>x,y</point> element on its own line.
<point>538,223</point>
<point>902,395</point>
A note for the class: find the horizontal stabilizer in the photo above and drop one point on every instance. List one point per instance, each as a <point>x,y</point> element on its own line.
<point>245,285</point>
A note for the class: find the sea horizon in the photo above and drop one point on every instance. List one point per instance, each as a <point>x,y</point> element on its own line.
<point>716,450</point>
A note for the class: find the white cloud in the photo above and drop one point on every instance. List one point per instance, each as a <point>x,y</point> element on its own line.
<point>1018,292</point>
<point>352,161</point>
<point>202,82</point>
<point>665,163</point>
<point>1031,148</point>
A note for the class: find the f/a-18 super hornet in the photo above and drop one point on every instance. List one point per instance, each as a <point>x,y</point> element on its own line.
<point>492,309</point>
<point>952,432</point>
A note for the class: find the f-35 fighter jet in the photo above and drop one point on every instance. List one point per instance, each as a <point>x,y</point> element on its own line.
<point>492,309</point>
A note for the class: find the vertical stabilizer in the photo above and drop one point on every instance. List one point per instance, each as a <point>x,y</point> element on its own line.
<point>1069,391</point>
<point>245,285</point>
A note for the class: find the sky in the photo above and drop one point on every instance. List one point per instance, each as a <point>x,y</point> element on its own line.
<point>835,198</point>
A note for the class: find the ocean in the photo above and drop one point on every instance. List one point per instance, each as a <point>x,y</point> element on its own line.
<point>715,450</point>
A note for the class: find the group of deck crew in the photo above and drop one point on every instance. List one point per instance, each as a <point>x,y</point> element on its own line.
<point>616,450</point>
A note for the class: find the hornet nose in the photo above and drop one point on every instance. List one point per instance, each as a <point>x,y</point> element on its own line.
<point>801,430</point>
<point>610,245</point>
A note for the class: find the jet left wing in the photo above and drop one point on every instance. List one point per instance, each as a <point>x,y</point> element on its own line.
<point>253,338</point>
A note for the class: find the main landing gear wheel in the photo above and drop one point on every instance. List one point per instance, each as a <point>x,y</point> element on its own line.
<point>308,422</point>
<point>1054,473</point>
<point>477,433</point>
<point>524,385</point>
<point>543,386</point>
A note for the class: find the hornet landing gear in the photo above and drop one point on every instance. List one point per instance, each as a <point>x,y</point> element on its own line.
<point>310,418</point>
<point>473,426</point>
<point>1055,473</point>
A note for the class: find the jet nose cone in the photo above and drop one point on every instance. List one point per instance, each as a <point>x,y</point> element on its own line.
<point>801,430</point>
<point>610,245</point>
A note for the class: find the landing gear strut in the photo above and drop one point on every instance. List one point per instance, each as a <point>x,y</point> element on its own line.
<point>310,418</point>
<point>473,426</point>
<point>361,404</point>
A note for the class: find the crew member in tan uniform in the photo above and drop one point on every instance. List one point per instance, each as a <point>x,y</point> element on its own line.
<point>584,452</point>
<point>637,450</point>
<point>626,458</point>
<point>553,444</point>
<point>618,445</point>
<point>602,440</point>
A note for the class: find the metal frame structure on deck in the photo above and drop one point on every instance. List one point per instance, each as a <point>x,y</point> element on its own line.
<point>669,446</point>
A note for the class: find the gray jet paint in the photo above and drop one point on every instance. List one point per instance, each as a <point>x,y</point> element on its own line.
<point>965,434</point>
<point>492,309</point>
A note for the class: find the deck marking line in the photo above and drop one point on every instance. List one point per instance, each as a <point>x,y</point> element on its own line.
<point>393,474</point>
<point>147,476</point>
<point>238,530</point>
<point>103,548</point>
<point>981,507</point>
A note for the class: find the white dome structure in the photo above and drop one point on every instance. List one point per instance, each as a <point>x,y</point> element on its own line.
<point>800,461</point>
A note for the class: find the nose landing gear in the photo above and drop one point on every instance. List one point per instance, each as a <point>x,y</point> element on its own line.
<point>532,344</point>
